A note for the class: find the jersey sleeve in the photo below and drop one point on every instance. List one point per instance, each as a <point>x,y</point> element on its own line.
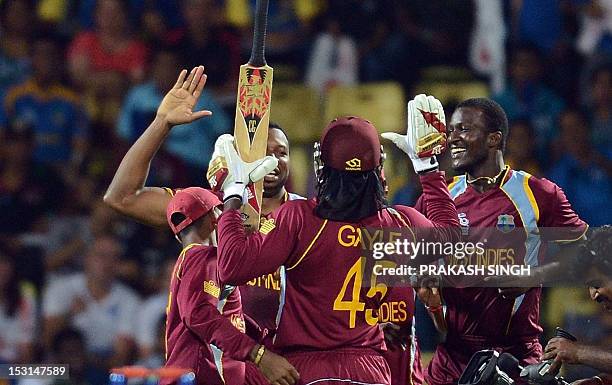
<point>243,257</point>
<point>198,302</point>
<point>557,219</point>
<point>420,206</point>
<point>439,205</point>
<point>436,218</point>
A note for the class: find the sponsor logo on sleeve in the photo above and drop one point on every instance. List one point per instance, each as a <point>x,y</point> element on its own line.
<point>211,288</point>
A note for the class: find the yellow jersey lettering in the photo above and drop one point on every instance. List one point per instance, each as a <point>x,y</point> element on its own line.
<point>348,236</point>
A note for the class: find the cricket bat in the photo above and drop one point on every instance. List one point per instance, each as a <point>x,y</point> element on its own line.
<point>253,112</point>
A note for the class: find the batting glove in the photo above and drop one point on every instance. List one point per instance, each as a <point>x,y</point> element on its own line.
<point>426,133</point>
<point>228,173</point>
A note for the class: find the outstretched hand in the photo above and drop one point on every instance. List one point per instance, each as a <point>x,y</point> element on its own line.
<point>178,105</point>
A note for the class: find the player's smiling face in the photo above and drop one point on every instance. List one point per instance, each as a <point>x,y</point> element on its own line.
<point>467,139</point>
<point>278,146</point>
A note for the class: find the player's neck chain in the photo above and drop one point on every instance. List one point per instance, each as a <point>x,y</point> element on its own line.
<point>488,181</point>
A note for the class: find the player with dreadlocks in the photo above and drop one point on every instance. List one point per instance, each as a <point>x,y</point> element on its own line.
<point>327,324</point>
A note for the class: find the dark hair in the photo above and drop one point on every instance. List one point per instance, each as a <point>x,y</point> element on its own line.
<point>278,127</point>
<point>596,249</point>
<point>66,335</point>
<point>177,218</point>
<point>495,117</point>
<point>349,196</point>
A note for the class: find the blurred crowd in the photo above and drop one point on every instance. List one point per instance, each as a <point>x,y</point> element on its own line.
<point>80,80</point>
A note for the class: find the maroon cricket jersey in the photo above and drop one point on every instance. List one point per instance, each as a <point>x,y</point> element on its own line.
<point>323,306</point>
<point>519,214</point>
<point>205,325</point>
<point>261,295</point>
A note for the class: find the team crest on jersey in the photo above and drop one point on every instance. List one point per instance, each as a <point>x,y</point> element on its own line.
<point>505,223</point>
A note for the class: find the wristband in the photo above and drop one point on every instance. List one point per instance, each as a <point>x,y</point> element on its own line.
<point>260,353</point>
<point>434,309</point>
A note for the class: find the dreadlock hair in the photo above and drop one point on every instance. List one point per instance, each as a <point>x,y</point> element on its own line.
<point>495,117</point>
<point>349,196</point>
<point>594,253</point>
<point>597,249</point>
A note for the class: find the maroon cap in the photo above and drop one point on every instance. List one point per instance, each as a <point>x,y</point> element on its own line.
<point>350,144</point>
<point>193,203</point>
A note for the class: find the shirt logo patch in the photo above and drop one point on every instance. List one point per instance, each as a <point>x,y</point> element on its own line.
<point>353,165</point>
<point>464,222</point>
<point>211,288</point>
<point>505,223</point>
<point>266,226</point>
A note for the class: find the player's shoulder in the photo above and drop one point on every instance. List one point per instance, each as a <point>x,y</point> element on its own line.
<point>407,213</point>
<point>201,253</point>
<point>404,210</point>
<point>296,205</point>
<point>541,187</point>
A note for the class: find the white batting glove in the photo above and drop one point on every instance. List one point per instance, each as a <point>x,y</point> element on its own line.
<point>426,133</point>
<point>228,173</point>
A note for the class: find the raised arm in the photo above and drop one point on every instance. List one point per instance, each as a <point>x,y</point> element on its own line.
<point>127,192</point>
<point>425,137</point>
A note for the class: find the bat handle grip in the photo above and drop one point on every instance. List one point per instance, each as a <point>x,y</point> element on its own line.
<point>259,34</point>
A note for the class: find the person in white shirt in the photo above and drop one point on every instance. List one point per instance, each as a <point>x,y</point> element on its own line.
<point>96,304</point>
<point>334,59</point>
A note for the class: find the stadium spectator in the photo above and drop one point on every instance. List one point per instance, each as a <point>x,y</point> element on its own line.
<point>192,143</point>
<point>151,310</point>
<point>208,40</point>
<point>16,25</point>
<point>156,357</point>
<point>520,151</point>
<point>526,96</point>
<point>68,347</point>
<point>27,189</point>
<point>538,22</point>
<point>581,171</point>
<point>104,61</point>
<point>50,110</point>
<point>17,313</point>
<point>595,35</point>
<point>110,47</point>
<point>334,59</point>
<point>600,108</point>
<point>96,304</point>
<point>76,225</point>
